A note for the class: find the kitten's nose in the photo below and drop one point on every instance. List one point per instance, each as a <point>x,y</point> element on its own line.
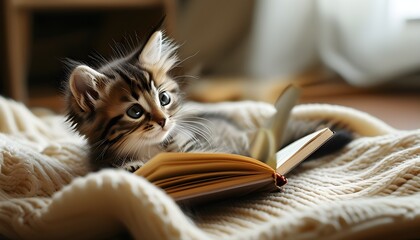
<point>159,118</point>
<point>161,122</point>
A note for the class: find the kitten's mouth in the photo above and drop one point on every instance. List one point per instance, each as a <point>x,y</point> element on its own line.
<point>160,134</point>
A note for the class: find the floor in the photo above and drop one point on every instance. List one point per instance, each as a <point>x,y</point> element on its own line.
<point>400,110</point>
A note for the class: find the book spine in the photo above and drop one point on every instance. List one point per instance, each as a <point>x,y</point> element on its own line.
<point>279,179</point>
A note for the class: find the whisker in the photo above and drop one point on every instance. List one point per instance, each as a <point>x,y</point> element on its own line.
<point>185,76</point>
<point>186,59</point>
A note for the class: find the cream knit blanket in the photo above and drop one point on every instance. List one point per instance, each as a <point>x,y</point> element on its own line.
<point>370,188</point>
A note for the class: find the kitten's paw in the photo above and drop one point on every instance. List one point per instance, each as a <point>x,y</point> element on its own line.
<point>132,166</point>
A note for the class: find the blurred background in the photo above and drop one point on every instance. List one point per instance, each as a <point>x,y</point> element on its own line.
<point>361,53</point>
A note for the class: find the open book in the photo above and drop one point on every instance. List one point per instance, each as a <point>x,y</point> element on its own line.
<point>194,178</point>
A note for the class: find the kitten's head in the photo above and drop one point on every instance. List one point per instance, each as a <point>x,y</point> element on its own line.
<point>127,103</point>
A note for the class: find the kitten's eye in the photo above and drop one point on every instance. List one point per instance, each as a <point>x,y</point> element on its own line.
<point>164,98</point>
<point>135,111</point>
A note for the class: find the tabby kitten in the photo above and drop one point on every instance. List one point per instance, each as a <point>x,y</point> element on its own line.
<point>131,109</point>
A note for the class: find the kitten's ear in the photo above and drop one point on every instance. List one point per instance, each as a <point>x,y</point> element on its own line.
<point>84,86</point>
<point>152,51</point>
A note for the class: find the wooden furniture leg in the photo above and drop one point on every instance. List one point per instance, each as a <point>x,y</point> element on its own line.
<point>17,42</point>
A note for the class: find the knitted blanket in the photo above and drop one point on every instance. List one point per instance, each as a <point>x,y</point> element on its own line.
<point>369,189</point>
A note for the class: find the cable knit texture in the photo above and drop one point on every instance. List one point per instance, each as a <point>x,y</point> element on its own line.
<point>370,188</point>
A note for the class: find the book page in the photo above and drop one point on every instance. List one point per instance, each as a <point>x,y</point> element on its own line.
<point>296,152</point>
<point>199,177</point>
<point>270,137</point>
<point>167,165</point>
<point>228,189</point>
<point>224,188</point>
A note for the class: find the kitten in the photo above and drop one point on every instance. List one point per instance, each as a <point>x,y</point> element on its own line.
<point>131,109</point>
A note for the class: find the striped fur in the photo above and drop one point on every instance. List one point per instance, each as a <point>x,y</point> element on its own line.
<point>99,100</point>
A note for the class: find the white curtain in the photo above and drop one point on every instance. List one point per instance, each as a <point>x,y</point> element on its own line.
<point>368,42</point>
